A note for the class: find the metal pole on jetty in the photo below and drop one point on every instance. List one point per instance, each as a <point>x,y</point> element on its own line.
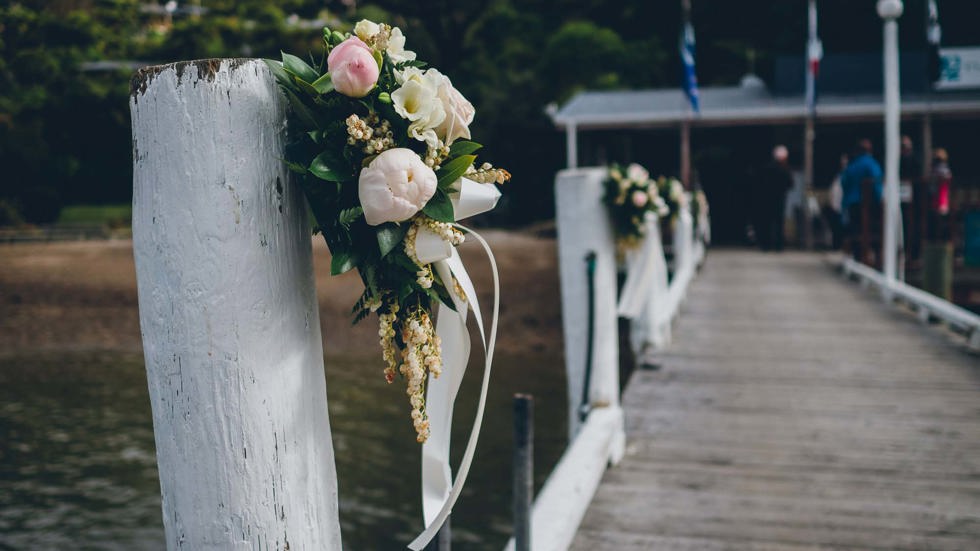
<point>523,469</point>
<point>228,313</point>
<point>890,11</point>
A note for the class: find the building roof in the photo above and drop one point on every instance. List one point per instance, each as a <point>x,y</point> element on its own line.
<point>746,104</point>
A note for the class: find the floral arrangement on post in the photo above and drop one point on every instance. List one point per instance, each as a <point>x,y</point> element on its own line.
<point>699,210</point>
<point>672,192</point>
<point>381,145</point>
<point>630,194</point>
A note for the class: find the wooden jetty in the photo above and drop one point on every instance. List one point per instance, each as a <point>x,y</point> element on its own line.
<point>795,411</point>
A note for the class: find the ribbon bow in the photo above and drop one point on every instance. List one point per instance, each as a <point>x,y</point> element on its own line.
<point>439,491</point>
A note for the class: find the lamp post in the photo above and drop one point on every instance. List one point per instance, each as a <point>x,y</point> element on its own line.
<point>890,11</point>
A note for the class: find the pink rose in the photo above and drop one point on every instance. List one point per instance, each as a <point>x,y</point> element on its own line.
<point>639,199</point>
<point>353,69</point>
<point>395,186</point>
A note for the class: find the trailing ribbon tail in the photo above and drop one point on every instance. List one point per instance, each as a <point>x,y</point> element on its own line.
<point>640,267</point>
<point>439,492</point>
<point>435,522</point>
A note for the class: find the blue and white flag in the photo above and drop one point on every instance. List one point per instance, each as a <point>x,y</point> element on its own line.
<point>687,58</point>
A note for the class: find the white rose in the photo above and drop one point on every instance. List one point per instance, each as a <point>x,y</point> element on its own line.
<point>395,186</point>
<point>396,47</point>
<point>365,29</point>
<point>459,111</point>
<point>637,173</point>
<point>417,100</point>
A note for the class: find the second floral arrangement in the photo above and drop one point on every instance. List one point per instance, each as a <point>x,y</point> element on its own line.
<point>629,195</point>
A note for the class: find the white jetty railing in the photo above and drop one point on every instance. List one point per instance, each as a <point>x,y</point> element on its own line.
<point>927,305</point>
<point>596,430</point>
<point>228,313</point>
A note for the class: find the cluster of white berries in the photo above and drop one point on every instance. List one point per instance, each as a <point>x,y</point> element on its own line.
<point>487,174</point>
<point>435,155</point>
<point>374,132</point>
<point>379,40</point>
<point>422,354</point>
<point>386,331</point>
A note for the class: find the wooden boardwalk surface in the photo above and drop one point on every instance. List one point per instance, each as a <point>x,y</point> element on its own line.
<point>795,411</point>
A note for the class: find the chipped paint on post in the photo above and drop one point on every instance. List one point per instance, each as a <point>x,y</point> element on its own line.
<point>228,313</point>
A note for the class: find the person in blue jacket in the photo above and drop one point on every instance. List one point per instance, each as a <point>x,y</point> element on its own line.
<point>861,167</point>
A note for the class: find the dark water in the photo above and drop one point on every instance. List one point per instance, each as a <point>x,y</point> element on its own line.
<point>78,470</point>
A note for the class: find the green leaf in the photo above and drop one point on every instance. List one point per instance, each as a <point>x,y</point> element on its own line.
<point>295,167</point>
<point>463,147</point>
<point>323,84</point>
<point>342,261</point>
<point>324,167</point>
<point>282,77</point>
<point>348,216</point>
<point>307,88</point>
<point>389,236</point>
<point>440,208</point>
<point>299,68</point>
<point>454,170</point>
<point>300,109</point>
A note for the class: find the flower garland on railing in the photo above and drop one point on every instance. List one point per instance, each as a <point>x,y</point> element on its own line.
<point>381,146</point>
<point>699,211</point>
<point>629,195</point>
<point>673,193</point>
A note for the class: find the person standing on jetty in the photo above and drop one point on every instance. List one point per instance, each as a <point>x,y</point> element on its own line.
<point>776,181</point>
<point>863,166</point>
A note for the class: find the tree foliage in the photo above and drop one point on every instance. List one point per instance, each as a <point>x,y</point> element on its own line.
<point>64,133</point>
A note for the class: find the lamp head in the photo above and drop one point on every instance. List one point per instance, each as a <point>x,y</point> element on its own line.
<point>890,9</point>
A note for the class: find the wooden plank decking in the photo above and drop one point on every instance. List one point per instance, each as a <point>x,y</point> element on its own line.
<point>795,411</point>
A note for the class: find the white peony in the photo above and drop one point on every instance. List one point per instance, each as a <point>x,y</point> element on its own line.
<point>459,111</point>
<point>417,100</point>
<point>396,47</point>
<point>365,29</point>
<point>395,186</point>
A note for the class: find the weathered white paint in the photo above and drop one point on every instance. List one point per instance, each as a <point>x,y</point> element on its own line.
<point>228,312</point>
<point>583,226</point>
<point>559,508</point>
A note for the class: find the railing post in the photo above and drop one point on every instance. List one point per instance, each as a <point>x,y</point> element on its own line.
<point>523,469</point>
<point>583,225</point>
<point>228,312</point>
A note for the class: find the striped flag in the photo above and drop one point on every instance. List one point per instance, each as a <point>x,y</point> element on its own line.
<point>687,58</point>
<point>814,53</point>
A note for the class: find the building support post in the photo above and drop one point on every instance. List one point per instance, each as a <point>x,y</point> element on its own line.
<point>228,313</point>
<point>571,145</point>
<point>685,171</point>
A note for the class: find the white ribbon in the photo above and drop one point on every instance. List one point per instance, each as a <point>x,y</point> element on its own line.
<point>439,491</point>
<point>640,268</point>
<point>645,290</point>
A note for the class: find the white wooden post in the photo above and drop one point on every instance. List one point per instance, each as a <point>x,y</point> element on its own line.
<point>583,226</point>
<point>228,311</point>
